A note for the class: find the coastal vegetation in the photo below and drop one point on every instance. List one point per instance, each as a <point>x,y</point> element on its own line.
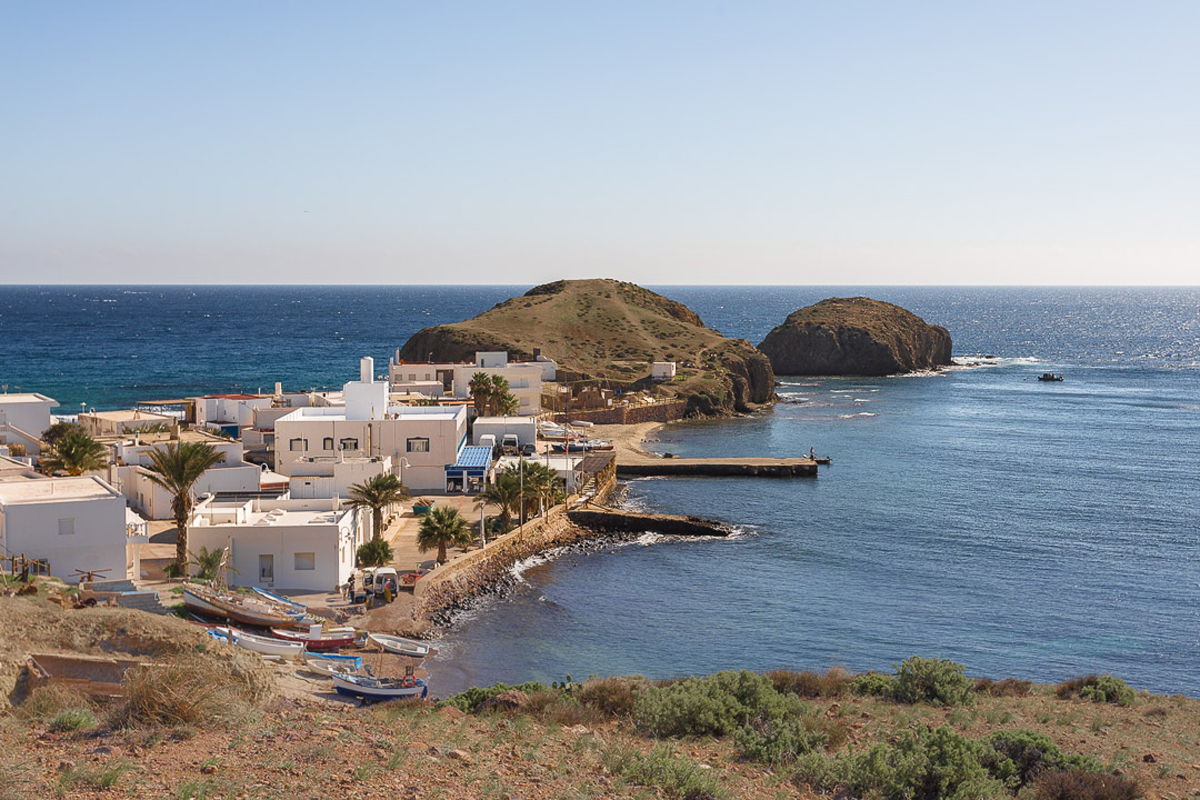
<point>375,553</point>
<point>492,395</point>
<point>176,468</point>
<point>74,452</point>
<point>443,527</point>
<point>378,493</point>
<point>608,333</point>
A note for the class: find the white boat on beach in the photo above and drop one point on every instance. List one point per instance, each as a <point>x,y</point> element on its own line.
<point>329,668</point>
<point>399,645</point>
<point>264,644</point>
<point>371,689</point>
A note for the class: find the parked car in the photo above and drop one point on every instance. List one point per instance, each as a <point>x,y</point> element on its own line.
<point>529,450</point>
<point>510,444</point>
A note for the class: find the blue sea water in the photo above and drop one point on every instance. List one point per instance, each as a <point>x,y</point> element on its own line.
<point>1022,528</point>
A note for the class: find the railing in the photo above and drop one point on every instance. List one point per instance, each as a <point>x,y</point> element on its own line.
<point>24,566</point>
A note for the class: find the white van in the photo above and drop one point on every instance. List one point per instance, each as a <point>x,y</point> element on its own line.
<point>510,445</point>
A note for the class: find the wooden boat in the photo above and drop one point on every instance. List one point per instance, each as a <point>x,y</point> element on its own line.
<point>298,608</point>
<point>569,447</point>
<point>399,645</point>
<point>371,689</point>
<point>318,639</point>
<point>823,460</point>
<point>259,611</point>
<point>598,444</point>
<point>338,659</point>
<point>328,668</point>
<point>265,645</point>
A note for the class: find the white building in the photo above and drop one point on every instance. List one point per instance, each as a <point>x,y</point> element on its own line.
<point>524,428</point>
<point>420,440</point>
<point>73,523</point>
<point>662,371</point>
<point>24,417</point>
<point>229,411</point>
<point>524,377</point>
<point>131,473</point>
<point>327,477</point>
<point>290,544</point>
<point>118,423</point>
<point>568,468</point>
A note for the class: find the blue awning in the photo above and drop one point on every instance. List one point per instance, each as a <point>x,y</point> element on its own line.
<point>475,461</point>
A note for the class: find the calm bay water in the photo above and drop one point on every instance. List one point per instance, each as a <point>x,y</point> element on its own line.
<point>1022,528</point>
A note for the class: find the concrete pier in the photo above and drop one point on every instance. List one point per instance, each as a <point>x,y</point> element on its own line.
<point>630,463</point>
<point>614,520</point>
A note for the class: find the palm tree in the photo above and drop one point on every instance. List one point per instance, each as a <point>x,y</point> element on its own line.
<point>441,527</point>
<point>500,400</point>
<point>176,469</point>
<point>504,493</point>
<point>480,388</point>
<point>377,494</point>
<point>541,485</point>
<point>74,453</point>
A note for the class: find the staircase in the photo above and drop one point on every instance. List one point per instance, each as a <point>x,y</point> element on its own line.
<point>126,595</point>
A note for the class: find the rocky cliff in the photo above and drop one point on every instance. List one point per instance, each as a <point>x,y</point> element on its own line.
<point>611,331</point>
<point>855,336</point>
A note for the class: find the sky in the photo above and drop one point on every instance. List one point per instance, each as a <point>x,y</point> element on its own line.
<point>862,143</point>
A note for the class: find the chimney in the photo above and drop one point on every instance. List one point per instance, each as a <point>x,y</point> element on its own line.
<point>366,369</point>
<point>537,353</point>
<point>278,389</point>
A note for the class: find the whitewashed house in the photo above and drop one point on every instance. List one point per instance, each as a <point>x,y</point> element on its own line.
<point>24,417</point>
<point>327,477</point>
<point>307,545</point>
<point>420,441</point>
<point>77,523</point>
<point>524,377</point>
<point>117,423</point>
<point>662,371</point>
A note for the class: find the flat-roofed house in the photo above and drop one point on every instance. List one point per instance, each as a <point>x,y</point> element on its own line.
<point>24,417</point>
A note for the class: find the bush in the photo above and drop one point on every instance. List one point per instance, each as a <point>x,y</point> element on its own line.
<point>933,680</point>
<point>1019,757</point>
<point>1082,785</point>
<point>662,768</point>
<point>1009,687</point>
<point>874,684</point>
<point>613,697</point>
<point>47,702</point>
<point>716,705</point>
<point>190,689</point>
<point>75,719</point>
<point>470,699</point>
<point>778,741</point>
<point>556,706</point>
<point>834,683</point>
<point>374,553</point>
<point>1099,689</point>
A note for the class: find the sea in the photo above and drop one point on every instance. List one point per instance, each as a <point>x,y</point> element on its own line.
<point>1022,528</point>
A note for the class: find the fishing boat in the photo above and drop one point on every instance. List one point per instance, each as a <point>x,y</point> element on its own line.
<point>328,668</point>
<point>334,658</point>
<point>570,447</point>
<point>598,444</point>
<point>399,645</point>
<point>1050,376</point>
<point>371,689</point>
<point>318,639</point>
<point>265,645</point>
<point>259,611</point>
<point>298,608</point>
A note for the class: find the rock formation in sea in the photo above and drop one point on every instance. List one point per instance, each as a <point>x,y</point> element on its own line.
<point>855,336</point>
<point>610,331</point>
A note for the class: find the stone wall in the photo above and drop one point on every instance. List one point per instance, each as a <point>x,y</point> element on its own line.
<point>629,415</point>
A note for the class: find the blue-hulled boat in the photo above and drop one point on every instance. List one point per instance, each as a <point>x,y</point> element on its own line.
<point>372,690</point>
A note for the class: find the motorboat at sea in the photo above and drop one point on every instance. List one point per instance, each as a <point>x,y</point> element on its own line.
<point>1050,376</point>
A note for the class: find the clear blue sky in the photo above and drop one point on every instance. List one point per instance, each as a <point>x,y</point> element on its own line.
<point>660,142</point>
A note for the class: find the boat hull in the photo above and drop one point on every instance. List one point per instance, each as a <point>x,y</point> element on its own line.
<point>400,646</point>
<point>320,644</point>
<point>374,691</point>
<point>208,603</point>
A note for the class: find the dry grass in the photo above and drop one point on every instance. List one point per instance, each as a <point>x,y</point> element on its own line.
<point>833,684</point>
<point>189,689</point>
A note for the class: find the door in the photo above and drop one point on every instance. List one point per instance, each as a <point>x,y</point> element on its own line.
<point>266,568</point>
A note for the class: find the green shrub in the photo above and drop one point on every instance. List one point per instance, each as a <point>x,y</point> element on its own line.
<point>928,764</point>
<point>1082,785</point>
<point>74,719</point>
<point>933,680</point>
<point>1108,689</point>
<point>715,705</point>
<point>662,768</point>
<point>1019,757</point>
<point>471,698</point>
<point>374,553</point>
<point>875,684</point>
<point>778,741</point>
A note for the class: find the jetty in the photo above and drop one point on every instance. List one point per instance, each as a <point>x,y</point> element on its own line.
<point>615,520</point>
<point>633,463</point>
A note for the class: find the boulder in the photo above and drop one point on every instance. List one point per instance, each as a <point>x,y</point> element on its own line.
<point>855,336</point>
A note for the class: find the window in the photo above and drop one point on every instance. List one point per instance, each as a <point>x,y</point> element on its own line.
<point>306,561</point>
<point>349,444</point>
<point>327,443</point>
<point>298,444</point>
<point>412,377</point>
<point>66,526</point>
<point>418,445</point>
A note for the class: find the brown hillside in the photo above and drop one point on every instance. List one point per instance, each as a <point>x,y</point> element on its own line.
<point>610,330</point>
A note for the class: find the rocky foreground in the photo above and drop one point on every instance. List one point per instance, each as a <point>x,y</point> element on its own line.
<point>855,336</point>
<point>926,731</point>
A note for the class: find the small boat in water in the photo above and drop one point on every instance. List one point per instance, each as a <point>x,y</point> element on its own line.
<point>318,639</point>
<point>261,611</point>
<point>371,689</point>
<point>399,645</point>
<point>1050,376</point>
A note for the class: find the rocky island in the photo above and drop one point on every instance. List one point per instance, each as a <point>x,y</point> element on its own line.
<point>855,336</point>
<point>611,332</point>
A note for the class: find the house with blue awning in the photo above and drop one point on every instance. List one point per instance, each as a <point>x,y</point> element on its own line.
<point>470,469</point>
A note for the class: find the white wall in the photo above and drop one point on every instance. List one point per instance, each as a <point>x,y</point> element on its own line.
<point>524,427</point>
<point>324,478</point>
<point>29,412</point>
<point>98,542</point>
<point>154,502</point>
